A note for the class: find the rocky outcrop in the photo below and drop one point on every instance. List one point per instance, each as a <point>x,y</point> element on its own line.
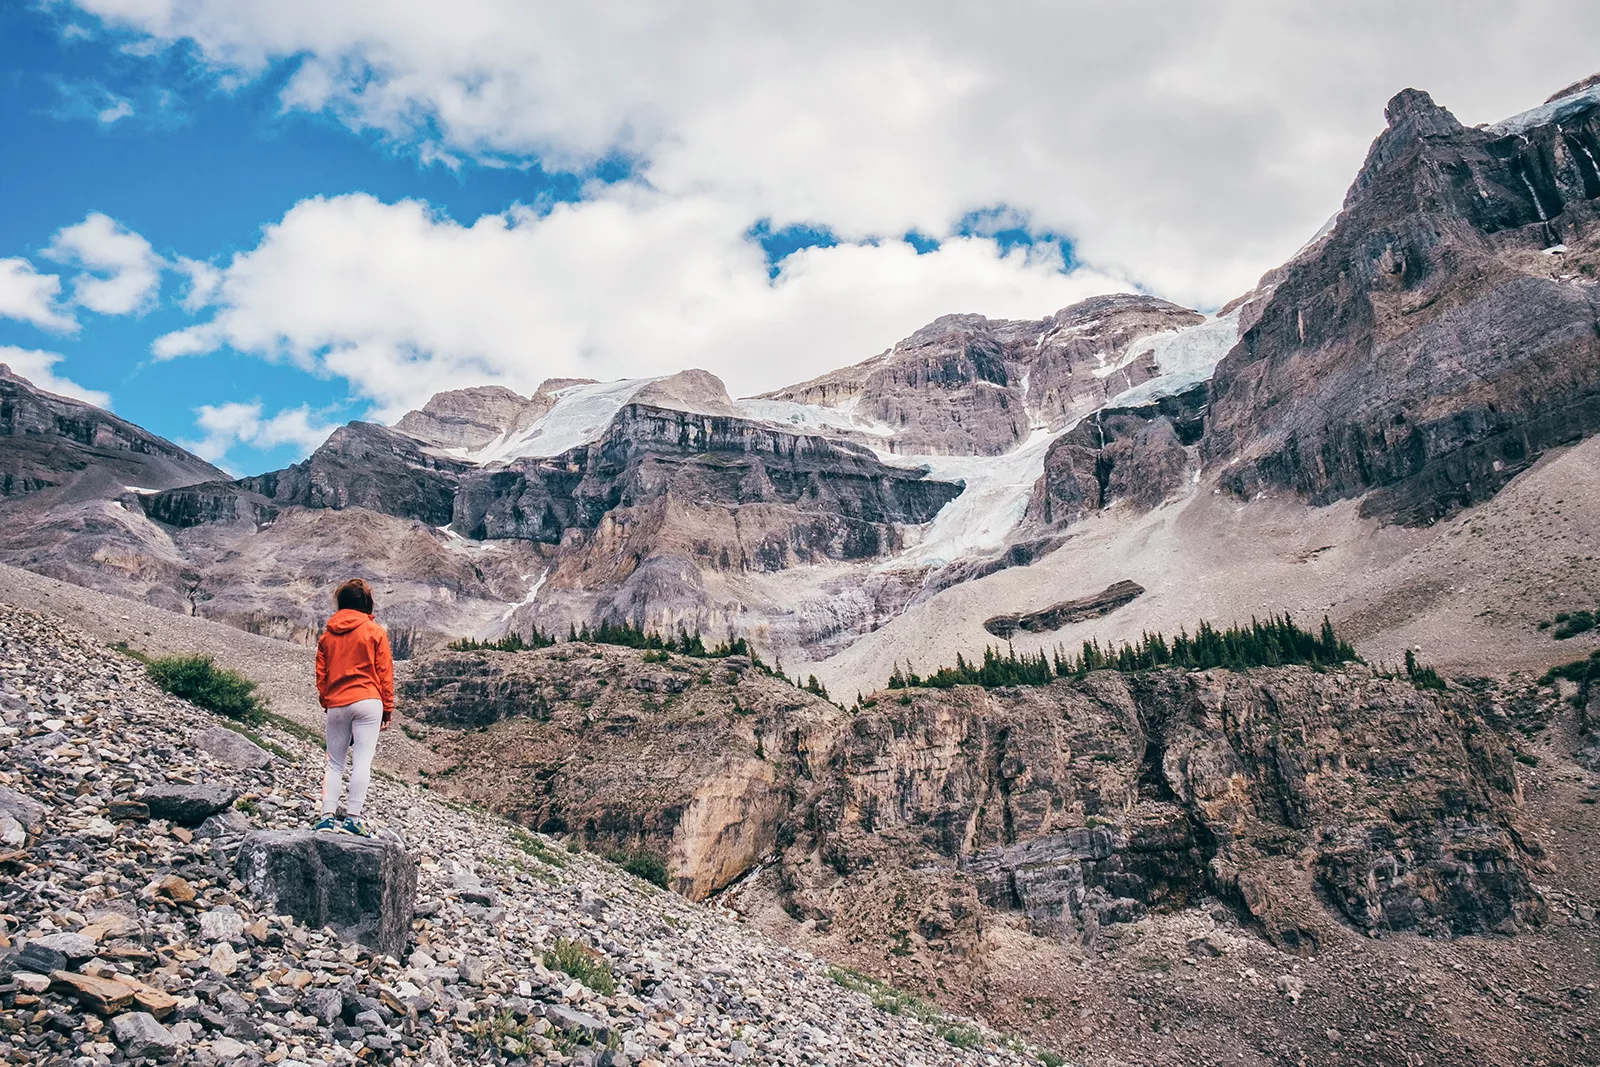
<point>364,888</point>
<point>965,384</point>
<point>653,453</point>
<point>1442,335</point>
<point>1306,800</point>
<point>1109,599</point>
<point>53,441</point>
<point>696,761</point>
<point>1138,455</point>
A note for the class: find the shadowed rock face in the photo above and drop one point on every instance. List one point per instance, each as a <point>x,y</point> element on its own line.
<point>1304,799</point>
<point>1139,455</point>
<point>1443,334</point>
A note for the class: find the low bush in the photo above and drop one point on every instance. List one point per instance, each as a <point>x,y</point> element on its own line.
<point>200,681</point>
<point>642,864</point>
<point>583,963</point>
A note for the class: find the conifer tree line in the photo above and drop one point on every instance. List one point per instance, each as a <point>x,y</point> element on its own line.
<point>1276,642</point>
<point>623,634</point>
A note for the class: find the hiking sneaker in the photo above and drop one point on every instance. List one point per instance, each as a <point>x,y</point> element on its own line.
<point>328,825</point>
<point>358,826</point>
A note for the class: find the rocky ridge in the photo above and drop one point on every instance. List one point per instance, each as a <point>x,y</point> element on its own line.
<point>129,938</point>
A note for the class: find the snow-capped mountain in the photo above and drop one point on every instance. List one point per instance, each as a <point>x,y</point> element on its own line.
<point>1288,452</point>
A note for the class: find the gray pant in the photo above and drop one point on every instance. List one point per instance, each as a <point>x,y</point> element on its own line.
<point>354,725</point>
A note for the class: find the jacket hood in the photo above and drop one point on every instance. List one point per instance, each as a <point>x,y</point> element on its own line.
<point>346,619</point>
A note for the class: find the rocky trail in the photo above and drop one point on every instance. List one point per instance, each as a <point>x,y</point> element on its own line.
<point>132,931</point>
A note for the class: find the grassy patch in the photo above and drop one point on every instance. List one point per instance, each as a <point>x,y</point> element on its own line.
<point>885,997</point>
<point>642,863</point>
<point>962,1036</point>
<point>583,963</point>
<point>535,847</point>
<point>201,682</point>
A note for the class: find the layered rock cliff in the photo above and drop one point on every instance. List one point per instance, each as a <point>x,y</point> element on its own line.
<point>968,385</point>
<point>1443,334</point>
<point>1307,801</point>
<point>56,442</point>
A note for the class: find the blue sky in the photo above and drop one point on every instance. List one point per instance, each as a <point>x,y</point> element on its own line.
<point>197,171</point>
<point>247,221</point>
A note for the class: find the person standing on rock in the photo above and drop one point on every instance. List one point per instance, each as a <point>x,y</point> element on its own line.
<point>355,679</point>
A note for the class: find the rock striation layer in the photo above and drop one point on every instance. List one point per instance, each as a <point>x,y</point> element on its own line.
<point>1442,335</point>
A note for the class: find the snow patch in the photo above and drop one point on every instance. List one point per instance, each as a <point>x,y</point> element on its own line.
<point>1543,115</point>
<point>813,418</point>
<point>533,593</point>
<point>1184,357</point>
<point>580,416</point>
<point>991,505</point>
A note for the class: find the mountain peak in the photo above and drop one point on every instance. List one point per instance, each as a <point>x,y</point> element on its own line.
<point>1413,111</point>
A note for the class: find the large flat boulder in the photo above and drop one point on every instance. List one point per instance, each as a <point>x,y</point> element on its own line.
<point>188,805</point>
<point>364,888</point>
<point>233,748</point>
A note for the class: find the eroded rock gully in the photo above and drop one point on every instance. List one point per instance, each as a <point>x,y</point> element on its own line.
<point>1305,801</point>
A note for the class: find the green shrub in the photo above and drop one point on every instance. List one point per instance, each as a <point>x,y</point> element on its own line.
<point>1578,622</point>
<point>200,681</point>
<point>583,963</point>
<point>1050,1059</point>
<point>642,864</point>
<point>963,1037</point>
<point>1422,677</point>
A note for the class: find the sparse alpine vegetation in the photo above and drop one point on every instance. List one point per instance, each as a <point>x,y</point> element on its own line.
<point>1570,624</point>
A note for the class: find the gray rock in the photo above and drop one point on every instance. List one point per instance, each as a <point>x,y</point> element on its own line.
<point>221,923</point>
<point>188,805</point>
<point>39,958</point>
<point>233,748</point>
<point>12,832</point>
<point>140,1035</point>
<point>226,1049</point>
<point>230,823</point>
<point>323,1005</point>
<point>472,970</point>
<point>74,947</point>
<point>28,812</point>
<point>573,1021</point>
<point>364,888</point>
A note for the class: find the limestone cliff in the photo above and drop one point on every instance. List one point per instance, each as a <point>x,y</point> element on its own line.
<point>1306,800</point>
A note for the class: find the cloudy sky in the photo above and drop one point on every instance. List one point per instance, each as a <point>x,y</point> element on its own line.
<point>242,222</point>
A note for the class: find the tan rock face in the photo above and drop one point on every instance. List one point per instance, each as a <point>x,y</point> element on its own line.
<point>698,761</point>
<point>1305,800</point>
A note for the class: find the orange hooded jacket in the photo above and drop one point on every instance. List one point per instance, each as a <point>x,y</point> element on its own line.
<point>353,661</point>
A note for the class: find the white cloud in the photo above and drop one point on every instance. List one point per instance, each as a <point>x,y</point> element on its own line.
<point>1188,146</point>
<point>403,303</point>
<point>29,296</point>
<point>119,272</point>
<point>225,425</point>
<point>39,368</point>
<point>118,108</point>
<point>204,281</point>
